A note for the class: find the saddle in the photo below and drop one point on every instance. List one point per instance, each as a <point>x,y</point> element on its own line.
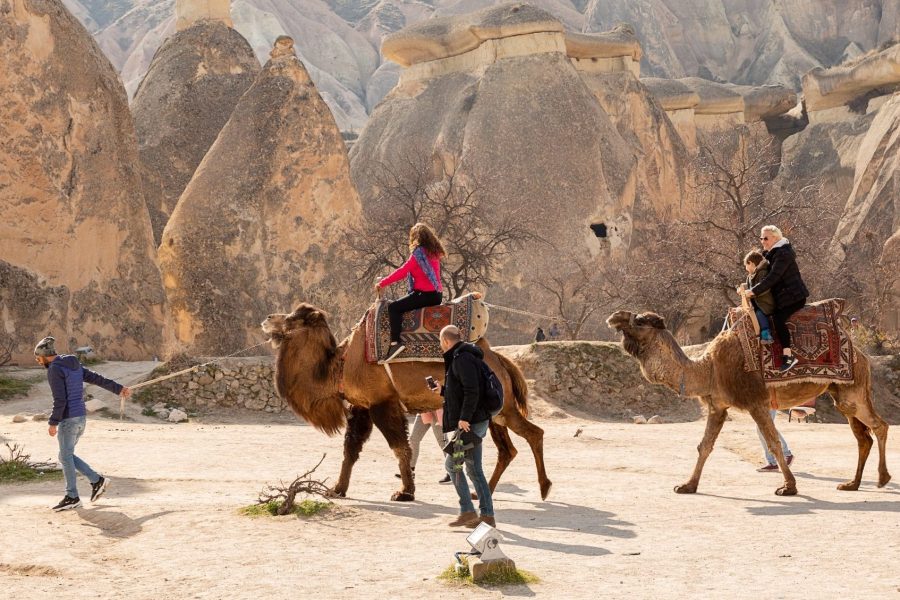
<point>422,327</point>
<point>822,346</point>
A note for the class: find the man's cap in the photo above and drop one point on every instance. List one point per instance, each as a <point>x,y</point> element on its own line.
<point>46,347</point>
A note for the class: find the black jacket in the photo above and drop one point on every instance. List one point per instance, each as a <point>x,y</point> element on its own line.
<point>784,277</point>
<point>462,386</point>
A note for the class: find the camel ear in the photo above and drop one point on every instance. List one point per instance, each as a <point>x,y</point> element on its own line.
<point>653,320</point>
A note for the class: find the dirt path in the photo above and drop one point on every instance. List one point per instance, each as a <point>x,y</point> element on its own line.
<point>168,527</point>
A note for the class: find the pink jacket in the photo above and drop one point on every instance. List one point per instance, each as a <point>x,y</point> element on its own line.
<point>420,279</point>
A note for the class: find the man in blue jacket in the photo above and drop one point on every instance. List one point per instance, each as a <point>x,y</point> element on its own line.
<point>67,377</point>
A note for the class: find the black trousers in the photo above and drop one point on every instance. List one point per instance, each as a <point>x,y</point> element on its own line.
<point>780,317</point>
<point>412,301</point>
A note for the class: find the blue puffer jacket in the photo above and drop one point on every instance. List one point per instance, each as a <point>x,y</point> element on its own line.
<point>67,378</point>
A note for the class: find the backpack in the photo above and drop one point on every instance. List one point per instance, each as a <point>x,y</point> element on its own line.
<point>492,396</point>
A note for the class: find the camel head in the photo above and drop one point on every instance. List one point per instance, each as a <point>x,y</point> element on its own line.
<point>638,331</point>
<point>305,318</point>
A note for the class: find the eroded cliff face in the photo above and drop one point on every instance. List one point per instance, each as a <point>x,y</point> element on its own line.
<point>260,226</point>
<point>70,190</point>
<point>743,41</point>
<point>194,82</point>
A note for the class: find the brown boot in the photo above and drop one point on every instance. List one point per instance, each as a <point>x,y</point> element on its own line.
<point>489,520</point>
<point>465,520</point>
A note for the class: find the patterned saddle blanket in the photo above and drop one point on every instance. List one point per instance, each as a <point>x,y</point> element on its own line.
<point>822,346</point>
<point>421,329</point>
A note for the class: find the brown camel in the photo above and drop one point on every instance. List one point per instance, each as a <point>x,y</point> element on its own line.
<point>316,375</point>
<point>719,379</point>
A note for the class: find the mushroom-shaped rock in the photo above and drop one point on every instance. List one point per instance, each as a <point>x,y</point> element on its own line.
<point>829,88</point>
<point>715,98</point>
<point>443,37</point>
<point>261,224</point>
<point>765,101</point>
<point>620,41</point>
<point>671,94</point>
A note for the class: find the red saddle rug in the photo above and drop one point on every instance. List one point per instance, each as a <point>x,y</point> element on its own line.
<point>822,346</point>
<point>422,327</point>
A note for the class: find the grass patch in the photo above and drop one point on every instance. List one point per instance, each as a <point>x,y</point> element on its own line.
<point>89,361</point>
<point>306,508</point>
<point>148,411</point>
<point>10,387</point>
<point>500,578</point>
<point>18,468</point>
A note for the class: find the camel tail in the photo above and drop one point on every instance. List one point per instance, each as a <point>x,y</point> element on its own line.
<point>519,385</point>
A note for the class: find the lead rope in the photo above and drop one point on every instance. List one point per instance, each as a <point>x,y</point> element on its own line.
<point>181,372</point>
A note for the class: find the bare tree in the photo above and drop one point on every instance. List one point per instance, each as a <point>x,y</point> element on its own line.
<point>476,231</point>
<point>869,279</point>
<point>576,297</point>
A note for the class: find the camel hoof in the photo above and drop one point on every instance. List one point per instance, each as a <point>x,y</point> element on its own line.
<point>849,486</point>
<point>403,497</point>
<point>685,488</point>
<point>336,493</point>
<point>883,481</point>
<point>545,489</point>
<point>786,491</point>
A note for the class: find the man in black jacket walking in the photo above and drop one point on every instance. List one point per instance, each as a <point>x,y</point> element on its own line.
<point>464,410</point>
<point>786,284</point>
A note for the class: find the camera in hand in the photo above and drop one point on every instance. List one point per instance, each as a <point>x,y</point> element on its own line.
<point>431,383</point>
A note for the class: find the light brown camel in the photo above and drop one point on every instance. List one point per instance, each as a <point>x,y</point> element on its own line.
<point>719,379</point>
<point>315,375</point>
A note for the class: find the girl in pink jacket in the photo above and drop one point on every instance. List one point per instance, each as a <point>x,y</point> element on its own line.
<point>422,271</point>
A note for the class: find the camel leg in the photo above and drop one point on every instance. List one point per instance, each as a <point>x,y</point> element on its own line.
<point>714,421</point>
<point>391,422</point>
<point>864,443</point>
<point>855,403</point>
<point>359,428</point>
<point>534,435</point>
<point>760,414</point>
<point>506,452</point>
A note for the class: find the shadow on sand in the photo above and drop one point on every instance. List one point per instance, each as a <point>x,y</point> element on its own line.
<point>557,517</point>
<point>115,524</point>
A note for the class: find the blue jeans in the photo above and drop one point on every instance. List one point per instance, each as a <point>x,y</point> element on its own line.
<point>763,321</point>
<point>770,458</point>
<point>67,434</point>
<point>476,474</point>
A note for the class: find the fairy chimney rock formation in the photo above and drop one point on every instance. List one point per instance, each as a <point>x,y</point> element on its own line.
<point>679,102</point>
<point>765,101</point>
<point>616,50</point>
<point>190,12</point>
<point>194,82</point>
<point>260,226</point>
<point>74,220</point>
<point>719,105</point>
<point>473,41</point>
<point>826,92</point>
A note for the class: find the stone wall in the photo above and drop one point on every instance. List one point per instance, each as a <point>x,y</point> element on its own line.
<point>229,382</point>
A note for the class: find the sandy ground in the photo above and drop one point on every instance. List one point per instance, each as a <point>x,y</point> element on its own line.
<point>612,527</point>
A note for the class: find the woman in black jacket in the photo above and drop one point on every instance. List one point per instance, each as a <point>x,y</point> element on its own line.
<point>786,284</point>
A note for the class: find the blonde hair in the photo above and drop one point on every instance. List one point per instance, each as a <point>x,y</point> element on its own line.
<point>773,230</point>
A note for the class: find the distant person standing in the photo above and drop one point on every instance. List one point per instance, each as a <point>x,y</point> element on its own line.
<point>539,335</point>
<point>67,376</point>
<point>554,332</point>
